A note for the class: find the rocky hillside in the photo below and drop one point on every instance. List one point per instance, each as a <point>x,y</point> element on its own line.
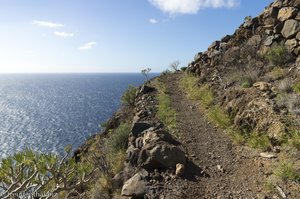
<point>227,127</point>
<point>255,72</point>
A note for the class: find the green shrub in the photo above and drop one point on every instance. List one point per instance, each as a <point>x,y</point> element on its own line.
<point>277,73</point>
<point>128,97</point>
<point>202,93</point>
<point>118,139</point>
<point>219,117</point>
<point>287,171</point>
<point>247,83</point>
<point>278,55</point>
<point>236,136</point>
<point>296,88</point>
<point>259,141</point>
<point>294,139</point>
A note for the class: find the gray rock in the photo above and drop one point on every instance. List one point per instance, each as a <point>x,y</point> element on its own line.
<point>135,187</point>
<point>295,3</point>
<point>270,16</point>
<point>139,127</point>
<point>298,36</point>
<point>251,23</point>
<point>269,40</point>
<point>223,46</point>
<point>291,44</point>
<point>132,155</point>
<point>215,44</point>
<point>298,17</point>
<point>254,40</point>
<point>213,53</point>
<point>287,13</point>
<point>277,4</point>
<point>290,28</point>
<point>297,51</point>
<point>161,156</point>
<point>263,86</point>
<point>119,179</point>
<point>198,56</point>
<point>157,136</point>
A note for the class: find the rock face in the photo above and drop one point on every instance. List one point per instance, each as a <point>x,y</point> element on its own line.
<point>151,148</point>
<point>135,187</point>
<point>160,155</point>
<point>287,13</point>
<point>291,28</point>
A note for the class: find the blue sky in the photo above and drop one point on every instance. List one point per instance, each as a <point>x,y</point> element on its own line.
<point>113,35</point>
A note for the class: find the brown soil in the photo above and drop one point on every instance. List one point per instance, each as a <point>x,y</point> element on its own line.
<point>217,167</point>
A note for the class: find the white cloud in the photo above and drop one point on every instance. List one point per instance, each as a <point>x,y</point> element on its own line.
<point>64,34</point>
<point>87,46</point>
<point>47,24</point>
<point>153,21</point>
<point>190,6</point>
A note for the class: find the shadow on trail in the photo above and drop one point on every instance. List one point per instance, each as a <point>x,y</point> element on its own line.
<point>193,171</point>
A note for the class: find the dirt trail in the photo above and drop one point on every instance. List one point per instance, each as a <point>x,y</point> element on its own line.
<point>218,168</point>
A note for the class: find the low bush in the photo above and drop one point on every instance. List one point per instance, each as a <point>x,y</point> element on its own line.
<point>276,73</point>
<point>219,117</point>
<point>244,77</point>
<point>128,98</point>
<point>259,141</point>
<point>287,171</point>
<point>118,139</point>
<point>278,55</point>
<point>285,86</point>
<point>236,136</point>
<point>296,88</point>
<point>293,103</point>
<point>294,139</point>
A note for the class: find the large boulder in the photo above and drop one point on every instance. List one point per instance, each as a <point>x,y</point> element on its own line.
<point>287,13</point>
<point>157,136</point>
<point>160,156</point>
<point>291,27</point>
<point>135,187</point>
<point>291,44</point>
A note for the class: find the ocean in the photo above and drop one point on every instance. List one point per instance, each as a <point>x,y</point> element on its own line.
<point>49,111</point>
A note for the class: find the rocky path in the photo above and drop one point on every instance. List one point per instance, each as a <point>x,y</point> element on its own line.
<point>217,168</point>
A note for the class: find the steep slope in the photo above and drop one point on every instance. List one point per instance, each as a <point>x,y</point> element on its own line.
<point>193,134</point>
<point>256,70</point>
